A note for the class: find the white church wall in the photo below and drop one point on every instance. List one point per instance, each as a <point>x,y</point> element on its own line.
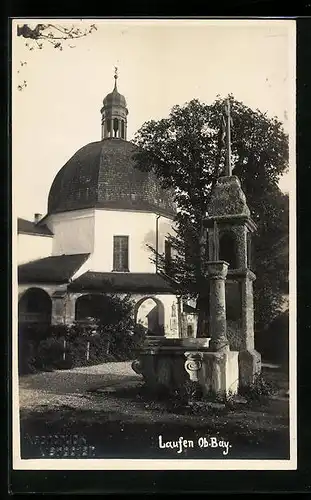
<point>32,247</point>
<point>73,232</point>
<point>140,227</point>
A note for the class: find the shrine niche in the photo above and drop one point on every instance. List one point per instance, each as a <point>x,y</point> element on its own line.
<point>228,249</point>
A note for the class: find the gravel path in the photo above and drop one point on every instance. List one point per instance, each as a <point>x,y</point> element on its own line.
<point>73,387</point>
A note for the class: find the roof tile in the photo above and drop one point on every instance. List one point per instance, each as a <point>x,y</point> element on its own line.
<point>54,269</point>
<point>28,227</point>
<point>121,282</point>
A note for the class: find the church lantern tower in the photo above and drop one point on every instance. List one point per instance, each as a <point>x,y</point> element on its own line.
<point>114,114</point>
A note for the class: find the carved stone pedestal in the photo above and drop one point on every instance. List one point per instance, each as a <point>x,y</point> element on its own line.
<point>170,363</point>
<point>249,366</point>
<point>220,372</point>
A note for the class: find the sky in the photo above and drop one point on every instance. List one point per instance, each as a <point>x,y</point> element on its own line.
<point>160,63</point>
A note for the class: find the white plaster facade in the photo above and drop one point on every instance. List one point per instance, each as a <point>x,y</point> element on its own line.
<point>140,227</point>
<point>33,246</point>
<point>92,231</point>
<point>73,232</point>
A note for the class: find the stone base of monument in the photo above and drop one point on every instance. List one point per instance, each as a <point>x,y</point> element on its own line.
<point>219,373</point>
<point>249,366</point>
<point>171,363</point>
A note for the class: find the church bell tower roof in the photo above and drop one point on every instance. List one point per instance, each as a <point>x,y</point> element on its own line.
<point>114,114</point>
<point>114,98</point>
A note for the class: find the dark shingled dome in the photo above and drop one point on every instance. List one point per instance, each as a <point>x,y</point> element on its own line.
<point>103,175</point>
<point>114,98</point>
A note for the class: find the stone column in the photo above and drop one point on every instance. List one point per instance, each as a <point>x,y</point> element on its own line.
<point>70,308</point>
<point>241,247</point>
<point>247,341</point>
<point>213,242</point>
<point>249,358</point>
<point>217,272</point>
<point>57,317</point>
<point>63,308</point>
<point>58,306</point>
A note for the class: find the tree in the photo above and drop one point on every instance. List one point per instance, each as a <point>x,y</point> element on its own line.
<point>54,34</point>
<point>186,152</point>
<point>111,318</point>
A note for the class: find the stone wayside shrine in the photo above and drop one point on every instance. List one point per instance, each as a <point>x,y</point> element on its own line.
<point>225,360</point>
<point>230,226</point>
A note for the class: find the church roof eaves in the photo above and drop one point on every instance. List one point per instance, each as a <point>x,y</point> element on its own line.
<point>53,269</point>
<point>147,283</point>
<point>25,226</point>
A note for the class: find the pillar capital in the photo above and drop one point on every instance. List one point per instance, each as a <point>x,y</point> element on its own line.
<point>217,269</point>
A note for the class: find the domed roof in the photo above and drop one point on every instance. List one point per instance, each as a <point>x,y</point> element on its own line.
<point>114,98</point>
<point>103,175</point>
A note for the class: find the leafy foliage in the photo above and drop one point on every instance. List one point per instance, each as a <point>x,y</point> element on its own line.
<point>259,390</point>
<point>109,335</point>
<point>186,152</point>
<point>49,355</point>
<point>108,316</point>
<point>54,34</point>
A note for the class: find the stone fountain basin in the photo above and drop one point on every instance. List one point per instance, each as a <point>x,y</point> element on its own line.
<point>164,343</point>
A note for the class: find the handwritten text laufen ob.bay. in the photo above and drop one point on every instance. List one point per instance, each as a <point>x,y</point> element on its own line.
<point>202,442</point>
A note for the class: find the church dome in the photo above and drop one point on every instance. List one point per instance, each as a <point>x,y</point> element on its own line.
<point>103,175</point>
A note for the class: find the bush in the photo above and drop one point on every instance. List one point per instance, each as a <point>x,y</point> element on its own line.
<point>112,336</point>
<point>29,338</point>
<point>26,358</point>
<point>259,390</point>
<point>49,354</point>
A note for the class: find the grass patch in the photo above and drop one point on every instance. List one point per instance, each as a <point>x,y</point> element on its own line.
<point>127,423</point>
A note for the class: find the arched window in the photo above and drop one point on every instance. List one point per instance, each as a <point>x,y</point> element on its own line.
<point>35,306</point>
<point>109,126</point>
<point>89,306</point>
<point>190,331</point>
<point>122,130</point>
<point>227,249</point>
<point>115,126</point>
